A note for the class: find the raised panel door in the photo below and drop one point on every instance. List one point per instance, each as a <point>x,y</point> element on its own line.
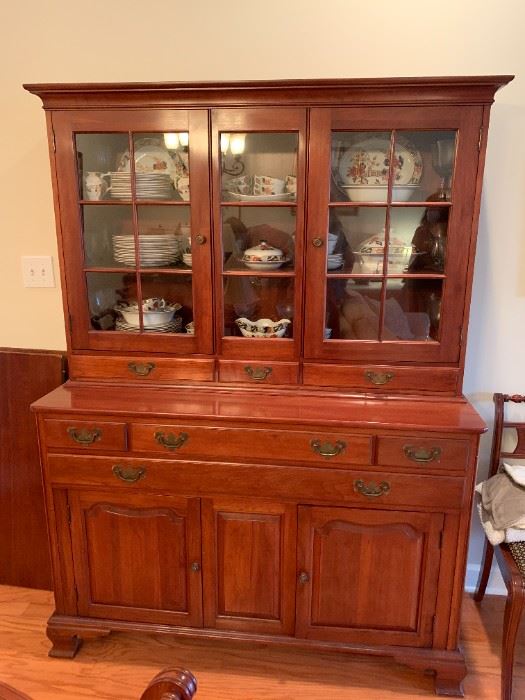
<point>137,557</point>
<point>367,576</point>
<point>249,565</point>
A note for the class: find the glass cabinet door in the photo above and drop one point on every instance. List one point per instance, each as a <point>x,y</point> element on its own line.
<point>389,233</point>
<point>137,211</point>
<point>258,161</point>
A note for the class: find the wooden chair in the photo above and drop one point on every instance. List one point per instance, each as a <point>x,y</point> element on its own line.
<point>510,557</point>
<point>170,684</point>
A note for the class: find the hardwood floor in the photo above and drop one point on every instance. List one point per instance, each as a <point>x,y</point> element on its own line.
<point>120,666</point>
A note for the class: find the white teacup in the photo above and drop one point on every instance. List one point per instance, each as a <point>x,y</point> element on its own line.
<point>263,184</point>
<point>241,184</point>
<point>291,184</point>
<point>95,187</point>
<point>332,242</point>
<point>182,186</point>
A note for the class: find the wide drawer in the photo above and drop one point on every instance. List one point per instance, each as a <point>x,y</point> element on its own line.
<point>92,435</point>
<point>255,372</point>
<point>324,449</point>
<point>146,370</point>
<point>384,378</point>
<point>416,452</point>
<point>357,486</point>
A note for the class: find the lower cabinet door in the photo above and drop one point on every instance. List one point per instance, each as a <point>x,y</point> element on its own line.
<point>137,557</point>
<point>249,565</point>
<point>367,576</point>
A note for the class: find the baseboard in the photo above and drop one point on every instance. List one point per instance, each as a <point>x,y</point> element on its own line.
<point>495,585</point>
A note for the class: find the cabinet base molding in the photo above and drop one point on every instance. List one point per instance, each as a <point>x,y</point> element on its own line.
<point>67,634</point>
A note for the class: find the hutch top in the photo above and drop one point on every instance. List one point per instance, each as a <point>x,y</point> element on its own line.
<point>316,234</point>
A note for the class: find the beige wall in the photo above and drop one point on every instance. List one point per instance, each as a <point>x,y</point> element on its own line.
<point>128,40</point>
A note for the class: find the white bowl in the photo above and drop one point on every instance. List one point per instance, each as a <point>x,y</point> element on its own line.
<point>187,259</point>
<point>150,318</point>
<point>378,193</point>
<point>263,328</point>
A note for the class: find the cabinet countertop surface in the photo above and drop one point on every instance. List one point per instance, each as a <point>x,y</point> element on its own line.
<point>240,405</point>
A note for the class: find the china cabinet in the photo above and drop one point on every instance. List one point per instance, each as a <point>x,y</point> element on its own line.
<point>266,291</point>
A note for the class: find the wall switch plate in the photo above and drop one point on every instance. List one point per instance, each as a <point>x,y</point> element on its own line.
<point>37,271</point>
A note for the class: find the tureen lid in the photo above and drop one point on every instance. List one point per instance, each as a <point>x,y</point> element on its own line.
<point>263,251</point>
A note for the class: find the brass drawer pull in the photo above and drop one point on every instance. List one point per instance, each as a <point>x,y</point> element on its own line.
<point>378,378</point>
<point>258,374</point>
<point>169,440</point>
<point>327,449</point>
<point>141,369</point>
<point>84,436</point>
<point>372,490</point>
<point>422,455</point>
<point>304,577</point>
<point>129,474</point>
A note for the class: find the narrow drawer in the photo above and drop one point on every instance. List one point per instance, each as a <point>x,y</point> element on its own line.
<point>196,442</point>
<point>161,370</point>
<point>90,435</point>
<point>356,486</point>
<point>383,378</point>
<point>416,452</point>
<point>256,372</point>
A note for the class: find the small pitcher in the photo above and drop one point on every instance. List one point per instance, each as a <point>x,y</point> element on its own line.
<point>95,186</point>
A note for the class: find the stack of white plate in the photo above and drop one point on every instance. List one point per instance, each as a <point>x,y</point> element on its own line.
<point>156,249</point>
<point>149,185</point>
<point>187,259</point>
<point>173,326</point>
<point>334,261</point>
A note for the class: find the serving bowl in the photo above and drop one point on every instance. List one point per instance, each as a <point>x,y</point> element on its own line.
<point>263,328</point>
<point>155,312</point>
<point>263,257</point>
<point>378,193</point>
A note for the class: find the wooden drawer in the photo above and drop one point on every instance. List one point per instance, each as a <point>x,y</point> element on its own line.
<point>384,378</point>
<point>256,372</point>
<point>416,452</point>
<point>92,435</point>
<point>357,486</point>
<point>154,370</point>
<point>231,444</point>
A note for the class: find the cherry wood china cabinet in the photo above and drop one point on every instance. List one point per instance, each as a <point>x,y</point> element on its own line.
<point>266,293</point>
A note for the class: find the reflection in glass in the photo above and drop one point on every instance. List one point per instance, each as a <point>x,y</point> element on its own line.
<point>412,309</point>
<point>360,166</point>
<point>102,227</point>
<point>428,157</point>
<point>97,156</point>
<point>425,230</point>
<point>244,228</point>
<point>105,291</point>
<point>352,309</point>
<point>253,299</point>
<point>259,166</point>
<point>161,166</point>
<point>351,231</point>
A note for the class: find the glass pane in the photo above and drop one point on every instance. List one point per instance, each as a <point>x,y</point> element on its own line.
<point>106,290</point>
<point>258,306</point>
<point>97,156</point>
<point>173,294</point>
<point>259,166</point>
<point>352,309</point>
<point>103,227</point>
<point>412,309</point>
<point>425,165</point>
<point>360,166</point>
<point>426,230</point>
<point>351,231</point>
<point>258,238</point>
<point>161,167</point>
<point>164,236</point>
